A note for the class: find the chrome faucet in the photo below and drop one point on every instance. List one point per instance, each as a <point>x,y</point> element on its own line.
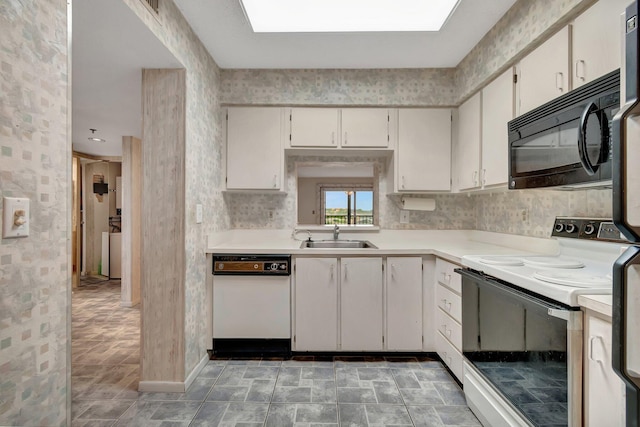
<point>336,232</point>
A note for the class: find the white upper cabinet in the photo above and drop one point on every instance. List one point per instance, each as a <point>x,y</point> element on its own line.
<point>255,158</point>
<point>314,127</point>
<point>423,154</point>
<point>365,127</point>
<point>339,128</point>
<point>597,41</point>
<point>544,74</point>
<point>468,149</point>
<point>497,110</point>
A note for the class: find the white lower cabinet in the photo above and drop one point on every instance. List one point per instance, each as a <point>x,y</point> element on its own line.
<point>361,304</point>
<point>604,401</point>
<point>448,307</point>
<point>316,304</point>
<point>404,304</point>
<point>342,304</point>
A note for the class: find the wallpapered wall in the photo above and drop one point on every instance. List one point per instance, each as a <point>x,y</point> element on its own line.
<point>35,162</point>
<point>203,163</point>
<point>524,26</point>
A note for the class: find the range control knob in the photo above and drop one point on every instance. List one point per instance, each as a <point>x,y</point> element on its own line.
<point>589,229</point>
<point>559,228</point>
<point>273,266</point>
<point>571,228</point>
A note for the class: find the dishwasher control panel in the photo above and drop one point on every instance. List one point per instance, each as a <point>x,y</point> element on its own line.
<point>242,265</point>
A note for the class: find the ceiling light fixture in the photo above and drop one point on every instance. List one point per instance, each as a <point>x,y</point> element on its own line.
<point>97,139</point>
<point>317,16</point>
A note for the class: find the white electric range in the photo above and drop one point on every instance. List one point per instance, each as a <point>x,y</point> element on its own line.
<point>583,264</point>
<point>522,327</point>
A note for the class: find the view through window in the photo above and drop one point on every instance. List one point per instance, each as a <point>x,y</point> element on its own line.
<point>348,206</point>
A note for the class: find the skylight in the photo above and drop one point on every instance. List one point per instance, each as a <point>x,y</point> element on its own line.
<point>317,16</point>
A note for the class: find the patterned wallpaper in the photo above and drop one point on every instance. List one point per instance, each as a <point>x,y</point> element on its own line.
<point>408,87</point>
<point>203,164</point>
<point>35,162</point>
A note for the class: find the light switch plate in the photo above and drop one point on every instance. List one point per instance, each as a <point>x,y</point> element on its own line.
<point>198,213</point>
<point>15,218</point>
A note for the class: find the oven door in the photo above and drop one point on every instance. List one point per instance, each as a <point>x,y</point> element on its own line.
<point>529,349</point>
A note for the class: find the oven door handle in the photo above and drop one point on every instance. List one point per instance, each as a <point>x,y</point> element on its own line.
<point>524,298</point>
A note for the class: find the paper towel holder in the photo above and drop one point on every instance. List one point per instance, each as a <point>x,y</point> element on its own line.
<point>418,203</point>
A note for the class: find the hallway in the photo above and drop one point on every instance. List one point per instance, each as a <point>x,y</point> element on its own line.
<point>105,348</point>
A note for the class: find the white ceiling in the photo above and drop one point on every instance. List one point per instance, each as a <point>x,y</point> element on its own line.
<point>111,46</point>
<point>223,29</point>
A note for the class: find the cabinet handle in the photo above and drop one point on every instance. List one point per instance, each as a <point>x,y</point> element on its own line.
<point>446,305</point>
<point>345,138</point>
<point>275,181</point>
<point>580,69</point>
<point>332,271</point>
<point>484,176</point>
<point>475,178</point>
<point>403,181</point>
<point>393,272</point>
<point>448,278</point>
<point>560,81</point>
<point>591,356</point>
<point>333,138</point>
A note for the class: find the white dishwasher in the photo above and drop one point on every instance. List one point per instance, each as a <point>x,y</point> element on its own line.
<point>251,305</point>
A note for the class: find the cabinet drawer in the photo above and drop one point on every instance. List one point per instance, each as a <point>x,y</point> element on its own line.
<point>446,275</point>
<point>449,302</point>
<point>449,328</point>
<point>449,355</point>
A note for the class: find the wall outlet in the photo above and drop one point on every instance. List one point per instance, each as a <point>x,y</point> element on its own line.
<point>404,216</point>
<point>198,213</point>
<point>524,215</point>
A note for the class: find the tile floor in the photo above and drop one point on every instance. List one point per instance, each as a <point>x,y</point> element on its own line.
<point>301,392</point>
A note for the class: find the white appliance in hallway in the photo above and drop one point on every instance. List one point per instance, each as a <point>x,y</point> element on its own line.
<point>522,325</point>
<point>626,214</point>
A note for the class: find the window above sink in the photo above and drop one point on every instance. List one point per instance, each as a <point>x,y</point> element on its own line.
<point>342,193</point>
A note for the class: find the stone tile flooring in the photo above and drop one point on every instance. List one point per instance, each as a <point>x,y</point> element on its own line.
<point>300,392</point>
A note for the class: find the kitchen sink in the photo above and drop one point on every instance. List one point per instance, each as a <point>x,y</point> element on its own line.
<point>337,244</point>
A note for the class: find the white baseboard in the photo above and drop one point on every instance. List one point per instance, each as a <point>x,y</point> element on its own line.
<point>174,387</point>
<point>194,373</point>
<point>127,304</point>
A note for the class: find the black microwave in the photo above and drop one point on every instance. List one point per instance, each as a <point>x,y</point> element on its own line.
<point>566,142</point>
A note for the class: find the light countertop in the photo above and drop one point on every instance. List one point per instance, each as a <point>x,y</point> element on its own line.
<point>598,303</point>
<point>447,244</point>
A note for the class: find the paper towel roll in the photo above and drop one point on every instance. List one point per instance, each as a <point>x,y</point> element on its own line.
<point>418,204</point>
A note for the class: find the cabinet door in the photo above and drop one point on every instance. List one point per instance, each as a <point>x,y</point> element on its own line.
<point>596,40</point>
<point>604,400</point>
<point>544,74</point>
<point>316,304</point>
<point>404,303</point>
<point>497,110</point>
<point>254,148</point>
<point>365,127</point>
<point>468,153</point>
<point>424,149</point>
<point>361,304</point>
<point>314,127</point>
